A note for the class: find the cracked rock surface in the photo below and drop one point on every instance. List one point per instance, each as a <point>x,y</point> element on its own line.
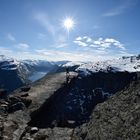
<point>117,118</point>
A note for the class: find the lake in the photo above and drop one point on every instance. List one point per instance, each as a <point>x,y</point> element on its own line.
<point>37,75</point>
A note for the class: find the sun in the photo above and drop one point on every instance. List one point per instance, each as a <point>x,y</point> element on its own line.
<point>68,24</point>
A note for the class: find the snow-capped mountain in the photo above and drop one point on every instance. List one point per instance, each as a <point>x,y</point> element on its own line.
<point>38,68</point>
<point>7,63</point>
<point>129,64</point>
<point>12,70</point>
<point>15,73</point>
<point>70,64</point>
<point>38,65</point>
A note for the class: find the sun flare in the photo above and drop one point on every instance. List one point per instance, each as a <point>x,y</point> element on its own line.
<point>68,23</point>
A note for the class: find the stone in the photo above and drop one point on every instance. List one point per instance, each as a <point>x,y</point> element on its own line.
<point>14,99</point>
<point>3,109</point>
<point>25,95</point>
<point>71,121</point>
<point>25,88</point>
<point>33,130</point>
<point>16,106</point>
<point>3,102</point>
<point>26,101</point>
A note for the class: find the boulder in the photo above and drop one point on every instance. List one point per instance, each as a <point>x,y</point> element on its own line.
<point>14,99</point>
<point>25,88</point>
<point>25,95</point>
<point>15,107</point>
<point>4,102</point>
<point>3,110</point>
<point>33,130</point>
<point>26,101</point>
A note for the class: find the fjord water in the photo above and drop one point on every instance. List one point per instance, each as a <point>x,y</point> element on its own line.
<point>37,75</point>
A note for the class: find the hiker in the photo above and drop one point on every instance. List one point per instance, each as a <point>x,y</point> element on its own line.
<point>67,71</point>
<point>67,75</point>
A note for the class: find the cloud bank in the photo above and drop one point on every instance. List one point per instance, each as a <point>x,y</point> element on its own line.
<point>22,46</point>
<point>100,43</point>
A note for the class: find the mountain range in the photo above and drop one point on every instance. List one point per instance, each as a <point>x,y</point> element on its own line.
<point>15,73</point>
<point>100,100</point>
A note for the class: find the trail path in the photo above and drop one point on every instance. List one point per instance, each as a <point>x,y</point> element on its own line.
<point>44,88</point>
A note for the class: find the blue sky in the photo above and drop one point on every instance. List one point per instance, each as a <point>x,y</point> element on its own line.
<point>104,29</point>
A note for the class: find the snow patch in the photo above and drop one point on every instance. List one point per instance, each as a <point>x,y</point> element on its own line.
<point>129,64</point>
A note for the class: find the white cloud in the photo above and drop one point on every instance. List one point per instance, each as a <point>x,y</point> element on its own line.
<point>101,49</point>
<point>87,39</point>
<point>93,45</point>
<point>110,40</point>
<point>119,45</point>
<point>4,50</point>
<point>78,38</point>
<point>89,55</point>
<point>11,37</point>
<point>115,43</point>
<point>61,55</point>
<point>60,42</point>
<point>99,43</point>
<point>121,8</point>
<point>61,45</point>
<point>80,43</point>
<point>22,46</point>
<point>55,55</point>
<point>44,21</point>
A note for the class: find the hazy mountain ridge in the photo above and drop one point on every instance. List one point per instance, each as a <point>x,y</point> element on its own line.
<point>130,64</point>
<point>38,65</point>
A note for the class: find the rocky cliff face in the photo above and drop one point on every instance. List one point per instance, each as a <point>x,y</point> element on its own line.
<point>10,81</point>
<point>80,109</point>
<point>117,118</point>
<point>75,102</point>
<point>11,77</point>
